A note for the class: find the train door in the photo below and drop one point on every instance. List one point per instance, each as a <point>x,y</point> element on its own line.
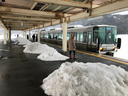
<point>89,41</point>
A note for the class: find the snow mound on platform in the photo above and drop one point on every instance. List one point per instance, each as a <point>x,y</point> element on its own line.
<point>46,53</point>
<point>37,48</point>
<point>36,43</point>
<point>22,41</point>
<point>51,55</point>
<point>87,79</point>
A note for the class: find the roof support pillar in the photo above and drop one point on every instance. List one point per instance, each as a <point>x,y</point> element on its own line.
<point>29,35</point>
<point>25,34</point>
<point>38,34</point>
<point>90,11</point>
<point>9,34</point>
<point>64,41</point>
<point>5,42</point>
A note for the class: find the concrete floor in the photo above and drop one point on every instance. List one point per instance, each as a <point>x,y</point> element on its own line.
<point>21,74</point>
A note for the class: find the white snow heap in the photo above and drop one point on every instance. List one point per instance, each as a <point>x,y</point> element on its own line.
<point>22,41</point>
<point>51,55</point>
<point>1,37</point>
<point>87,79</point>
<point>46,53</point>
<point>37,48</point>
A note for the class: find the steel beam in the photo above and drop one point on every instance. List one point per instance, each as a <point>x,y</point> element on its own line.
<point>33,6</point>
<point>65,3</point>
<point>24,18</point>
<point>26,12</point>
<point>108,9</point>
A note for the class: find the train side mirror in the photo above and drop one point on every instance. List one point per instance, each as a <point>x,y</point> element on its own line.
<point>118,43</point>
<point>98,43</point>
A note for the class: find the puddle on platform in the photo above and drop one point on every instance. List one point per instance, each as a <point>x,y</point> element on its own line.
<point>6,50</point>
<point>4,58</point>
<point>15,43</point>
<point>9,48</point>
<point>1,49</point>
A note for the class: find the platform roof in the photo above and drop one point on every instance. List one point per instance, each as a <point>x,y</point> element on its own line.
<point>44,13</point>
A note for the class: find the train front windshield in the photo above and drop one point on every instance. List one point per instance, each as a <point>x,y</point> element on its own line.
<point>107,35</point>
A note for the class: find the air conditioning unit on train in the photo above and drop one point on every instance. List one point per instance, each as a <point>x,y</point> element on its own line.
<point>75,26</point>
<point>55,29</point>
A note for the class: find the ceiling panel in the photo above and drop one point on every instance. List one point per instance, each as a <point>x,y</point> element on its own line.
<point>17,3</point>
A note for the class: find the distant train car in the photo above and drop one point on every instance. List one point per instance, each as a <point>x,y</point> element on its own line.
<point>96,38</point>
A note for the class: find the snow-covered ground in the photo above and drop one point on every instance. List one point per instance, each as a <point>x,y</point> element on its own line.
<point>123,51</point>
<point>46,53</point>
<point>37,48</point>
<point>1,37</point>
<point>22,41</point>
<point>86,79</point>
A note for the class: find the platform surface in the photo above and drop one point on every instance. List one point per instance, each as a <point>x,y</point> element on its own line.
<point>21,74</point>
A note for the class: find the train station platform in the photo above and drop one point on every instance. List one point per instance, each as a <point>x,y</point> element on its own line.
<point>21,74</point>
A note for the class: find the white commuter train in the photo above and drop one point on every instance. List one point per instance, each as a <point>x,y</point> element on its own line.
<point>96,38</point>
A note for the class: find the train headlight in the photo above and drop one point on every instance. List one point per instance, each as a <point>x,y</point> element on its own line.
<point>114,48</point>
<point>101,49</point>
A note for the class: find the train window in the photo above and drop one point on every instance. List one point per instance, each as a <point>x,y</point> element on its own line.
<point>77,38</point>
<point>68,36</point>
<point>84,37</point>
<point>45,35</point>
<point>99,32</point>
<point>89,37</point>
<point>115,34</point>
<point>55,35</point>
<point>60,36</point>
<point>50,35</point>
<point>109,37</point>
<point>81,37</point>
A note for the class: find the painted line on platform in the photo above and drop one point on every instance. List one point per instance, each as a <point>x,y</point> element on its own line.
<point>94,55</point>
<point>103,57</point>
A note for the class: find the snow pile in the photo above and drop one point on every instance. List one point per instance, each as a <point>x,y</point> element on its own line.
<point>22,41</point>
<point>51,55</point>
<point>1,37</point>
<point>29,44</point>
<point>46,53</point>
<point>122,52</point>
<point>87,79</point>
<point>37,48</point>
